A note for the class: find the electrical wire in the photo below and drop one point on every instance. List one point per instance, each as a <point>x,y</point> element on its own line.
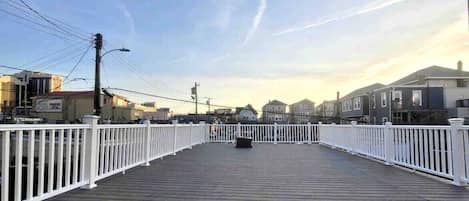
<point>78,62</point>
<point>59,28</point>
<point>62,50</point>
<point>216,105</point>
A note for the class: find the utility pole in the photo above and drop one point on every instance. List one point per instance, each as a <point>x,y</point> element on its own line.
<point>195,96</point>
<point>208,104</point>
<point>97,74</point>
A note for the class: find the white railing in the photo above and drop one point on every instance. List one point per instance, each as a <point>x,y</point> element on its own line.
<point>438,150</point>
<point>465,142</point>
<point>41,161</point>
<point>265,133</point>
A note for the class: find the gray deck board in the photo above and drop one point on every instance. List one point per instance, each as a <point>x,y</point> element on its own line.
<point>267,172</point>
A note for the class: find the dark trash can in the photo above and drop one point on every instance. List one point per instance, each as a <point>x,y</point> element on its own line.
<point>243,142</point>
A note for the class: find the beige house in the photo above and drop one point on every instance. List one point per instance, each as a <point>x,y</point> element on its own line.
<point>275,112</point>
<point>302,112</point>
<point>71,106</point>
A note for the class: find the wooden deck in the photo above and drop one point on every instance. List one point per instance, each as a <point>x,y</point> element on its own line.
<point>267,172</point>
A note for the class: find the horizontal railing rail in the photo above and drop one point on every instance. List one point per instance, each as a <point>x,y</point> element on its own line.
<point>265,133</point>
<point>41,161</point>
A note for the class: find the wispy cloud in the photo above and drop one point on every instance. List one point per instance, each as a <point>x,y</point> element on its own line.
<point>256,21</point>
<point>376,5</point>
<point>129,18</point>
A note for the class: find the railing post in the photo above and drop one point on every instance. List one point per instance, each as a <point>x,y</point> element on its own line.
<point>147,142</point>
<point>458,151</point>
<point>238,129</point>
<point>175,124</point>
<point>275,133</point>
<point>204,125</point>
<point>353,141</point>
<point>190,134</point>
<point>388,144</point>
<point>309,133</point>
<point>91,152</point>
<point>319,132</point>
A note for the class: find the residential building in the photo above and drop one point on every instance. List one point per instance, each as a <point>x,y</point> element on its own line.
<point>163,114</point>
<point>427,96</point>
<point>71,106</point>
<point>327,109</point>
<point>119,109</point>
<point>30,84</point>
<point>246,114</point>
<point>150,111</point>
<point>222,115</point>
<point>302,112</point>
<point>160,115</point>
<point>355,106</point>
<point>274,112</point>
<point>7,94</point>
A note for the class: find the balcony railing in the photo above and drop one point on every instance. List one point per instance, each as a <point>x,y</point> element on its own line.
<point>41,161</point>
<point>265,133</point>
<point>437,150</point>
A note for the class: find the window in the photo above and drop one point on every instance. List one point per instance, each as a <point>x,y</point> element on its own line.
<point>417,97</point>
<point>384,102</point>
<point>373,102</point>
<point>397,98</point>
<point>356,103</point>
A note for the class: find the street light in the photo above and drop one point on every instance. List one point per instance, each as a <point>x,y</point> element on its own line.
<point>97,82</point>
<point>119,49</point>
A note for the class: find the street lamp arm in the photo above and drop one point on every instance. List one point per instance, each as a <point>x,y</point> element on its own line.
<point>113,50</point>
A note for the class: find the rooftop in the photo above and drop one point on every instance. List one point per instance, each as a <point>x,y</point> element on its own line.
<point>432,71</point>
<point>267,172</point>
<point>71,93</point>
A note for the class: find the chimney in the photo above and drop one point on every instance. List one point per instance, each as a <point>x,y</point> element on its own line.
<point>460,66</point>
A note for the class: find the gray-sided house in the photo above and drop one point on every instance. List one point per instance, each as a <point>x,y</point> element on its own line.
<point>355,106</point>
<point>428,96</point>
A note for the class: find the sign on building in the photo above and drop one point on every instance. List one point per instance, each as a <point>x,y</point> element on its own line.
<point>49,105</point>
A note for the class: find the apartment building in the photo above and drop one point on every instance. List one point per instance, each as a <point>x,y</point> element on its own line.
<point>302,112</point>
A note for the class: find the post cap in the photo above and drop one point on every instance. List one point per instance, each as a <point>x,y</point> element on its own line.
<point>146,121</point>
<point>174,121</point>
<point>353,123</point>
<point>456,121</point>
<point>90,116</point>
<point>388,123</point>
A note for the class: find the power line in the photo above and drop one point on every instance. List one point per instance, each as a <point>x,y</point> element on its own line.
<point>51,63</point>
<point>24,14</point>
<point>35,23</point>
<point>78,62</point>
<point>52,23</point>
<point>50,54</point>
<point>14,68</point>
<point>133,69</point>
<point>216,105</point>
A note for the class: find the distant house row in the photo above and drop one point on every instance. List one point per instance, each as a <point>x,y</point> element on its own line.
<point>428,96</point>
<point>274,111</point>
<point>300,112</point>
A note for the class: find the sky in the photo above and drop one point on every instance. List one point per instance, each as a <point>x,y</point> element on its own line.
<point>240,51</point>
